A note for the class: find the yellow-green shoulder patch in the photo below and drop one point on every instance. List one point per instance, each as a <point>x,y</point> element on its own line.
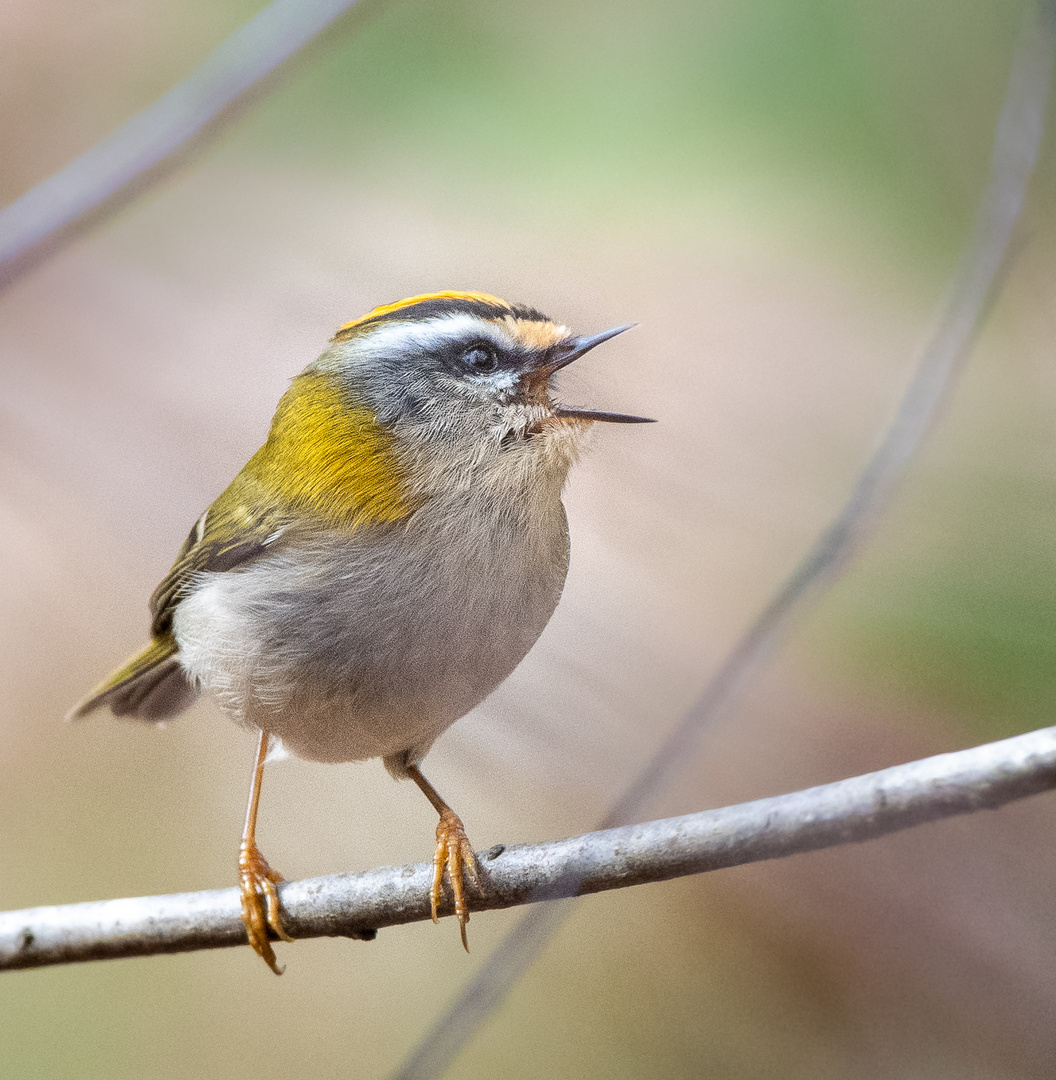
<point>328,457</point>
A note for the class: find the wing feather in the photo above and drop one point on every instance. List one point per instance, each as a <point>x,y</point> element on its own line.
<point>152,685</point>
<point>327,461</point>
<point>228,535</point>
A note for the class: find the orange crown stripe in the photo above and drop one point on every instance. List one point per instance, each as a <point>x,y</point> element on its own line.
<point>388,309</point>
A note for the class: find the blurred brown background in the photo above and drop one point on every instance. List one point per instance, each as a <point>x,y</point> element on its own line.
<point>776,191</point>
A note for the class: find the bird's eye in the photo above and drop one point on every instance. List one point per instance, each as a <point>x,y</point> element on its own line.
<point>480,357</point>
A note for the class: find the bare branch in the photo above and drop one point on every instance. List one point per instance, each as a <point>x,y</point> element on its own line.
<point>355,905</point>
<point>130,159</point>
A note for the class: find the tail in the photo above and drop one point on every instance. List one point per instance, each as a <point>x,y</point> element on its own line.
<point>151,686</point>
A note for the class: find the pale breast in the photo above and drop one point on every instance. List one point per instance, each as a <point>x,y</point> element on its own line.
<point>370,645</point>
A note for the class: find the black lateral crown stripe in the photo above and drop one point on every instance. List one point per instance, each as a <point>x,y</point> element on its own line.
<point>432,309</point>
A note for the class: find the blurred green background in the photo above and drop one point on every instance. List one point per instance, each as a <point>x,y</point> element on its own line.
<point>777,192</point>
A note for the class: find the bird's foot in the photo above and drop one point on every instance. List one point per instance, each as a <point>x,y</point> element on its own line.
<point>260,903</point>
<point>453,852</point>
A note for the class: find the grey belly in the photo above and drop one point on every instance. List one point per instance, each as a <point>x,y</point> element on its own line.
<point>372,645</point>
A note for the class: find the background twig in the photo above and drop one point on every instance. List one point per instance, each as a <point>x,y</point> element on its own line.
<point>353,905</point>
<point>137,154</point>
<point>974,286</point>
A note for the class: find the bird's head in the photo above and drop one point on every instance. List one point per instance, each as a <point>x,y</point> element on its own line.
<point>469,372</point>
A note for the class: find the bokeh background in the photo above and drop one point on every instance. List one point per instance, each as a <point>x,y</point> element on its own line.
<point>777,191</point>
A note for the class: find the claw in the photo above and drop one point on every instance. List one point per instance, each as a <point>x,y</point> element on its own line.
<point>454,853</point>
<point>260,903</point>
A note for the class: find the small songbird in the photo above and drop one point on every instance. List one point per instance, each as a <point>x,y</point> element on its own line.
<point>382,562</point>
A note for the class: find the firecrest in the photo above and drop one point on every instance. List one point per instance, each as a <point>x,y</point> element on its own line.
<point>382,562</point>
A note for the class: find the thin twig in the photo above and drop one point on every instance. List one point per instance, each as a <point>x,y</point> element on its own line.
<point>139,152</point>
<point>355,905</point>
<point>973,289</point>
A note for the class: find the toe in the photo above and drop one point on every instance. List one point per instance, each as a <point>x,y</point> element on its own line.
<point>257,927</point>
<point>273,917</point>
<point>454,852</point>
<point>260,904</point>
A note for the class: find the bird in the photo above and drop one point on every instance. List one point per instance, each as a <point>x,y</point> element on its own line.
<point>381,564</point>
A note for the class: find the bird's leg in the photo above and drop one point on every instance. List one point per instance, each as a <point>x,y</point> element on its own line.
<point>452,851</point>
<point>257,880</point>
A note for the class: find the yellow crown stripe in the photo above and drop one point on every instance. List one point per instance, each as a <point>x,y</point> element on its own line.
<point>388,309</point>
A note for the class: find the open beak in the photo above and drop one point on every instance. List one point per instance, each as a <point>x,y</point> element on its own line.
<point>562,355</point>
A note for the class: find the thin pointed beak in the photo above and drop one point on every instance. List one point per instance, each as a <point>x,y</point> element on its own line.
<point>577,347</point>
<point>600,417</point>
<point>571,350</point>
